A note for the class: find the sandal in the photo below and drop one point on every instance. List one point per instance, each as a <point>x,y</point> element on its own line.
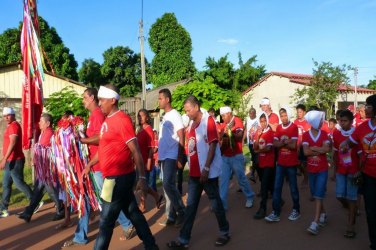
<point>71,243</point>
<point>177,245</point>
<point>159,202</point>
<point>349,234</point>
<point>222,240</point>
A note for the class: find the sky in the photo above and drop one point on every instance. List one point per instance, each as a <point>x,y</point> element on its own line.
<point>286,35</point>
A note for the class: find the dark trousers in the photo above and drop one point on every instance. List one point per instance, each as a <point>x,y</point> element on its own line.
<point>38,192</point>
<point>195,189</point>
<point>123,199</point>
<point>370,206</point>
<point>13,172</point>
<point>267,184</point>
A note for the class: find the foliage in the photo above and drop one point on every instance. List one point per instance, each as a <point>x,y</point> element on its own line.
<point>58,55</point>
<point>323,89</point>
<point>207,92</point>
<point>372,84</point>
<point>122,67</point>
<point>227,77</point>
<point>63,100</point>
<point>90,73</point>
<point>243,109</point>
<point>172,46</point>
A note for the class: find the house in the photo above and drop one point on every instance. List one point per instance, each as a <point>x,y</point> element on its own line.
<point>280,86</point>
<point>11,78</point>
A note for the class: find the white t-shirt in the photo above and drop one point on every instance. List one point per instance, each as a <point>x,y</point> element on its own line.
<point>168,145</point>
<point>249,123</point>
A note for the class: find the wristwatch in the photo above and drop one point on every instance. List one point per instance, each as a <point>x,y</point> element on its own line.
<point>207,169</point>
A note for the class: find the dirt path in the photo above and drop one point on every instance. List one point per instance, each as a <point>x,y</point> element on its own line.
<point>247,233</point>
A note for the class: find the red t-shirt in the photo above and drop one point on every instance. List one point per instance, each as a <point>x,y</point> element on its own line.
<point>325,127</point>
<point>45,137</point>
<point>194,164</point>
<point>316,164</point>
<point>266,159</point>
<point>364,136</point>
<point>94,125</point>
<point>235,147</point>
<point>303,126</point>
<point>13,128</point>
<point>273,118</point>
<point>346,163</point>
<point>359,121</point>
<point>287,157</point>
<point>115,158</point>
<point>145,139</point>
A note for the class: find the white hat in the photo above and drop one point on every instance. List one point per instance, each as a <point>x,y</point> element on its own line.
<point>224,110</point>
<point>265,101</point>
<point>8,111</point>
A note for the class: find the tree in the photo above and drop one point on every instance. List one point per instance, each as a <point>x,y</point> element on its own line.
<point>222,71</point>
<point>90,73</point>
<point>172,46</point>
<point>122,67</point>
<point>63,100</point>
<point>372,84</point>
<point>323,89</point>
<point>248,73</point>
<point>58,55</point>
<point>207,92</point>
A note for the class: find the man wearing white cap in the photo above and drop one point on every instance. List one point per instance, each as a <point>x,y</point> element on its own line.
<point>272,117</point>
<point>118,152</point>
<point>232,155</point>
<point>13,161</point>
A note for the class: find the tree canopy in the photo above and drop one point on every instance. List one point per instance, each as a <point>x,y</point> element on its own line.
<point>122,67</point>
<point>90,73</point>
<point>372,83</point>
<point>63,63</point>
<point>172,46</point>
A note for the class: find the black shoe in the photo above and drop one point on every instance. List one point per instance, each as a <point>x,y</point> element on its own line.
<point>260,214</point>
<point>239,190</point>
<point>25,217</point>
<point>58,217</point>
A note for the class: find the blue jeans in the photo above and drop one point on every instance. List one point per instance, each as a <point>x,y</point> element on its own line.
<point>80,235</point>
<point>13,172</point>
<point>370,207</point>
<point>280,174</point>
<point>234,164</point>
<point>195,189</point>
<point>152,178</point>
<point>317,184</point>
<point>174,203</point>
<point>123,199</point>
<point>39,190</point>
<point>345,188</point>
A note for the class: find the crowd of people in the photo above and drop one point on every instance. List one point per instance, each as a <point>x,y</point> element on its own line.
<point>120,163</point>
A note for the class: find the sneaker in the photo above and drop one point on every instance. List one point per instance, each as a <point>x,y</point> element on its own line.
<point>272,217</point>
<point>222,240</point>
<point>167,222</point>
<point>313,228</point>
<point>323,220</point>
<point>38,207</point>
<point>259,214</point>
<point>129,233</point>
<point>4,213</point>
<point>294,215</point>
<point>249,203</point>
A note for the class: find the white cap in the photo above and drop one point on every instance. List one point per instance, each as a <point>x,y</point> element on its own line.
<point>265,101</point>
<point>224,110</point>
<point>8,111</point>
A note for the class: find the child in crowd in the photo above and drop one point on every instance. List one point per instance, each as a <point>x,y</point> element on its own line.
<point>316,145</point>
<point>263,146</point>
<point>303,126</point>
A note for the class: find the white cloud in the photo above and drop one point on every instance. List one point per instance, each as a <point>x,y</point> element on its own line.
<point>229,41</point>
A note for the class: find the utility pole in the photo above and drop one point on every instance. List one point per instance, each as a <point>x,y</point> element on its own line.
<point>143,74</point>
<point>356,87</point>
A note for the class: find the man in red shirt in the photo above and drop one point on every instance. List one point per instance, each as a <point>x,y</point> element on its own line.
<point>285,141</point>
<point>232,156</point>
<point>13,161</point>
<point>117,154</point>
<point>204,168</point>
<point>303,126</point>
<point>41,186</point>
